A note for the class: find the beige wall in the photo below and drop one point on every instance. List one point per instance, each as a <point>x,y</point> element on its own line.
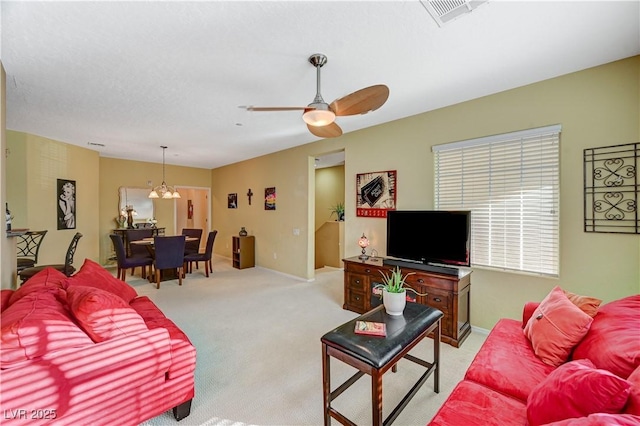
<point>34,165</point>
<point>596,107</point>
<point>329,191</point>
<point>6,267</point>
<point>115,173</point>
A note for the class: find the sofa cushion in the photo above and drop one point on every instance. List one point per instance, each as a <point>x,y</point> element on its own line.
<point>588,305</point>
<point>506,362</point>
<point>612,342</point>
<point>576,389</point>
<point>92,274</point>
<point>555,327</point>
<point>600,419</point>
<point>103,315</point>
<point>47,280</point>
<point>473,404</point>
<point>633,403</point>
<point>35,325</point>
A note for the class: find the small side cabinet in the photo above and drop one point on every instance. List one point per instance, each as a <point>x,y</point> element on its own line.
<point>243,254</point>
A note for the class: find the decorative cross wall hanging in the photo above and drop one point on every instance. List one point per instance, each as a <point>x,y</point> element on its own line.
<point>249,195</point>
<point>612,189</point>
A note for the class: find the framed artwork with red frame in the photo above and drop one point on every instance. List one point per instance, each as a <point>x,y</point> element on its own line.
<point>375,193</point>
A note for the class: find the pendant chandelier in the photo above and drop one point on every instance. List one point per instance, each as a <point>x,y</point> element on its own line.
<point>164,191</point>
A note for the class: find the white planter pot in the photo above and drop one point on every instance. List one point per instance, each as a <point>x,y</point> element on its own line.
<point>394,303</point>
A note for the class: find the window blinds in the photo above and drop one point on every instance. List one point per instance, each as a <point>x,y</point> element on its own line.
<point>510,183</point>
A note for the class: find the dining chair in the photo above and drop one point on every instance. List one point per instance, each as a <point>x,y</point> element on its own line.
<point>169,255</point>
<point>125,262</point>
<point>192,247</point>
<point>203,257</point>
<point>67,268</point>
<point>28,248</point>
<point>134,250</point>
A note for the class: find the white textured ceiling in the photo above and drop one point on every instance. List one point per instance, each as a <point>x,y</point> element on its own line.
<point>137,75</point>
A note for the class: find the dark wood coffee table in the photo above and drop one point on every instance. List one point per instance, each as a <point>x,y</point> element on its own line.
<point>374,355</point>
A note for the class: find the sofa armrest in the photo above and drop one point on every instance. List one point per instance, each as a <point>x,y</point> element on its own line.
<point>5,295</point>
<point>72,380</point>
<point>528,310</point>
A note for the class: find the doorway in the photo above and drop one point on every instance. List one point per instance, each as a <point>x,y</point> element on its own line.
<point>329,185</point>
<point>193,210</point>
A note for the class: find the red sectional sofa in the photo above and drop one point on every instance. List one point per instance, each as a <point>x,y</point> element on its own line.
<point>87,350</point>
<point>598,383</point>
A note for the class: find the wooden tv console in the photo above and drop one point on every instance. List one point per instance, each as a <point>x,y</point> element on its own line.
<point>448,293</point>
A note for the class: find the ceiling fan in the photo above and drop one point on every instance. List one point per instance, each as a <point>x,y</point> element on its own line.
<point>320,116</point>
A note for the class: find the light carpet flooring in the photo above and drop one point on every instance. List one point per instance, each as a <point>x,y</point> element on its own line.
<point>257,335</point>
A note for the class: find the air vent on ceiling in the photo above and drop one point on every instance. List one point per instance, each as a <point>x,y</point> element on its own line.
<point>443,11</point>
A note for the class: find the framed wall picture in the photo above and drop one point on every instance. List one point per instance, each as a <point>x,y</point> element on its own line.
<point>375,193</point>
<point>66,204</point>
<point>270,198</point>
<point>232,201</point>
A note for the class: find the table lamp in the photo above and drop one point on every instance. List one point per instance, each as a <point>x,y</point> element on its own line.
<point>364,243</point>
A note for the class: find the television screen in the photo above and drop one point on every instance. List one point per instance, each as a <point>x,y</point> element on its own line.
<point>429,236</point>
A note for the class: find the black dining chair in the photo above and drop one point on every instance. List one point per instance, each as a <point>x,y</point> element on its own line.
<point>192,247</point>
<point>136,250</point>
<point>125,262</point>
<point>67,268</point>
<point>203,257</point>
<point>28,249</point>
<point>169,255</point>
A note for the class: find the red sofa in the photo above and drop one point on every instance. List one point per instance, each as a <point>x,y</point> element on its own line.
<point>87,350</point>
<point>509,384</point>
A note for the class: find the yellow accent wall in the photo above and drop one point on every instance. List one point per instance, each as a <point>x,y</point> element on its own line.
<point>34,165</point>
<point>329,192</point>
<point>596,107</point>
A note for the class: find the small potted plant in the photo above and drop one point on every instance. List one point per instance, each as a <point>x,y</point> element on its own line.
<point>394,291</point>
<point>338,210</point>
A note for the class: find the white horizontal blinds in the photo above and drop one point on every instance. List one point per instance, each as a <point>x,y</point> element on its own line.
<point>511,184</point>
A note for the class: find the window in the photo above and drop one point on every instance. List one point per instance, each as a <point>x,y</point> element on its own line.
<point>510,183</point>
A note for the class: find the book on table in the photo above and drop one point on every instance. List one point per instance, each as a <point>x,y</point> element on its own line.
<point>371,328</point>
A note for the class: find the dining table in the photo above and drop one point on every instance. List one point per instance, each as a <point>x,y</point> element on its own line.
<point>165,274</point>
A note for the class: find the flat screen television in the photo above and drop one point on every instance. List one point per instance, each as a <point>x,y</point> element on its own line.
<point>430,236</point>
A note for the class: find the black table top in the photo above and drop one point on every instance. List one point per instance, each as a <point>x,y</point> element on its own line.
<point>376,350</point>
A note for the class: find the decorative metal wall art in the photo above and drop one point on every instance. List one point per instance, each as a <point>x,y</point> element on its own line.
<point>375,193</point>
<point>611,189</point>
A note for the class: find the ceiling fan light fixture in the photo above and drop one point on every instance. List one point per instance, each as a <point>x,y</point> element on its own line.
<point>319,117</point>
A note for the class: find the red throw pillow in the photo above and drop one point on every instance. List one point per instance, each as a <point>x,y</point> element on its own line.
<point>576,389</point>
<point>35,325</point>
<point>48,280</point>
<point>555,327</point>
<point>103,315</point>
<point>612,342</point>
<point>92,274</point>
<point>588,305</point>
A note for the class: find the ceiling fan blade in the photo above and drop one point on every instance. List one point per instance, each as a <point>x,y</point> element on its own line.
<point>329,131</point>
<point>362,101</point>
<point>262,109</point>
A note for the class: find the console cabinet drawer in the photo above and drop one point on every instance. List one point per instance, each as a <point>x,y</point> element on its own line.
<point>438,299</point>
<point>356,300</point>
<point>357,282</point>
